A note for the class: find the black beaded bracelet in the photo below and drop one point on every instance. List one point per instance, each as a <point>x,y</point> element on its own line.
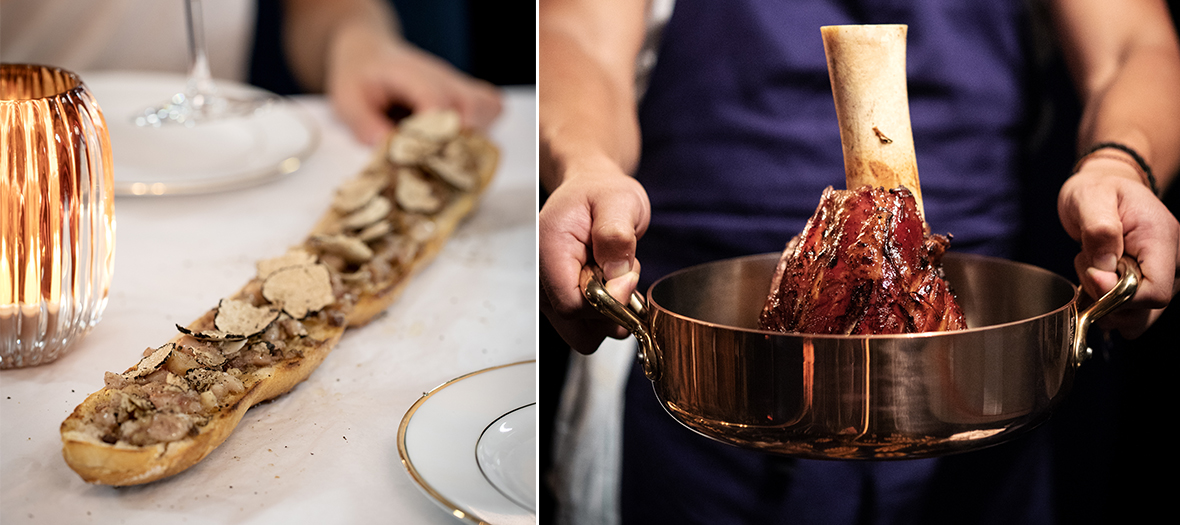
<point>1140,163</point>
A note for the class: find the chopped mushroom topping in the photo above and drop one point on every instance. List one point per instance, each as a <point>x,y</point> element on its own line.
<point>300,289</point>
<point>201,378</point>
<point>177,381</point>
<point>207,358</point>
<point>360,276</point>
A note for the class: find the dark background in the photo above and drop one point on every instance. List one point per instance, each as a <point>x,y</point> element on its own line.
<point>491,40</point>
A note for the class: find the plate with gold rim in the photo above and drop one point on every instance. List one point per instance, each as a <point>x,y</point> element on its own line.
<point>470,445</point>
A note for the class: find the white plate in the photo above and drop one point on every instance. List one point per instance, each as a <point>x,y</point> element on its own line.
<point>470,445</point>
<point>209,157</point>
<point>506,454</point>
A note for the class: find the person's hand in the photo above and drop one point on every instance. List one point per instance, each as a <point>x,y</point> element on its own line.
<point>1111,211</point>
<point>369,73</point>
<point>598,213</point>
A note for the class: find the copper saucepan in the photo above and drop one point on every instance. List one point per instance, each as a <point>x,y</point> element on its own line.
<point>861,397</point>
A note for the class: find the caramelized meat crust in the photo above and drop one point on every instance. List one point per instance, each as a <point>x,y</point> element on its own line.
<point>865,263</point>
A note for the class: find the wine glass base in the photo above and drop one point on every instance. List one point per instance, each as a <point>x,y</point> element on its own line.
<point>188,110</point>
<point>208,156</point>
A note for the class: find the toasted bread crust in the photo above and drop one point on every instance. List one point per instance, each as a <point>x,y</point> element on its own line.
<point>120,463</point>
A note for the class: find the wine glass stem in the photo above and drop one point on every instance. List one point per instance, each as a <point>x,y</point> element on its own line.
<point>200,80</point>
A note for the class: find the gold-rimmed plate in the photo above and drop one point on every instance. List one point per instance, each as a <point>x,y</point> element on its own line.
<point>470,445</point>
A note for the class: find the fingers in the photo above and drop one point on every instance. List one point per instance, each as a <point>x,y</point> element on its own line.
<point>591,217</point>
<point>1093,218</point>
<point>620,287</point>
<point>364,82</point>
<point>423,82</point>
<point>613,238</point>
<point>561,260</point>
<point>479,104</point>
<point>1113,216</point>
<point>562,253</point>
<point>583,334</point>
<point>363,114</point>
<point>1153,238</point>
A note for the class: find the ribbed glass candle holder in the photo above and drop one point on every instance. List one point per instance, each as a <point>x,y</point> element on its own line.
<point>57,217</point>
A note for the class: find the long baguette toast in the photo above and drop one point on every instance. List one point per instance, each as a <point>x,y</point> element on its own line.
<point>183,399</point>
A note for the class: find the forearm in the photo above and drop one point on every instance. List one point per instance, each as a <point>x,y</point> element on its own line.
<point>312,28</point>
<point>1127,66</point>
<point>587,97</point>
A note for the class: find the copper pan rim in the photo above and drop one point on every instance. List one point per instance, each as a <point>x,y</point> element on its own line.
<point>651,301</point>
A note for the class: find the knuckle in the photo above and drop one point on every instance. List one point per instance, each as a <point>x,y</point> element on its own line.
<point>1101,231</point>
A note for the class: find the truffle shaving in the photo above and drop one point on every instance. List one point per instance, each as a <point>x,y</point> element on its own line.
<point>454,171</point>
<point>355,193</point>
<point>300,289</point>
<point>152,362</point>
<point>378,208</point>
<point>375,231</point>
<point>210,335</point>
<point>242,318</point>
<point>409,150</point>
<point>351,249</point>
<point>435,126</point>
<point>414,193</point>
<point>293,257</point>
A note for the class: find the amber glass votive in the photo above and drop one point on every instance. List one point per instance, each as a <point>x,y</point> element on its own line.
<point>57,216</point>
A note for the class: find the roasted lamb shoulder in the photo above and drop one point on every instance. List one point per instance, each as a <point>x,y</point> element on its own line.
<point>865,263</point>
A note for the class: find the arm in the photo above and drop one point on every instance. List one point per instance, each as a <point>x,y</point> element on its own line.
<point>589,145</point>
<point>353,50</point>
<point>1126,64</point>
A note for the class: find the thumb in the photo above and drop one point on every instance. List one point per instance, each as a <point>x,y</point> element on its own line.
<point>617,224</point>
<point>1101,234</point>
<point>613,240</point>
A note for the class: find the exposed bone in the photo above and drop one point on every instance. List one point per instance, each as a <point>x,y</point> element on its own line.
<point>866,64</point>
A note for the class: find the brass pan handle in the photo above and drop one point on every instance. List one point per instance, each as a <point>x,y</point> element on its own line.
<point>1124,289</point>
<point>633,316</point>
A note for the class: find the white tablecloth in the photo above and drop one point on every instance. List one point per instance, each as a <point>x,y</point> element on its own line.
<point>326,452</point>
